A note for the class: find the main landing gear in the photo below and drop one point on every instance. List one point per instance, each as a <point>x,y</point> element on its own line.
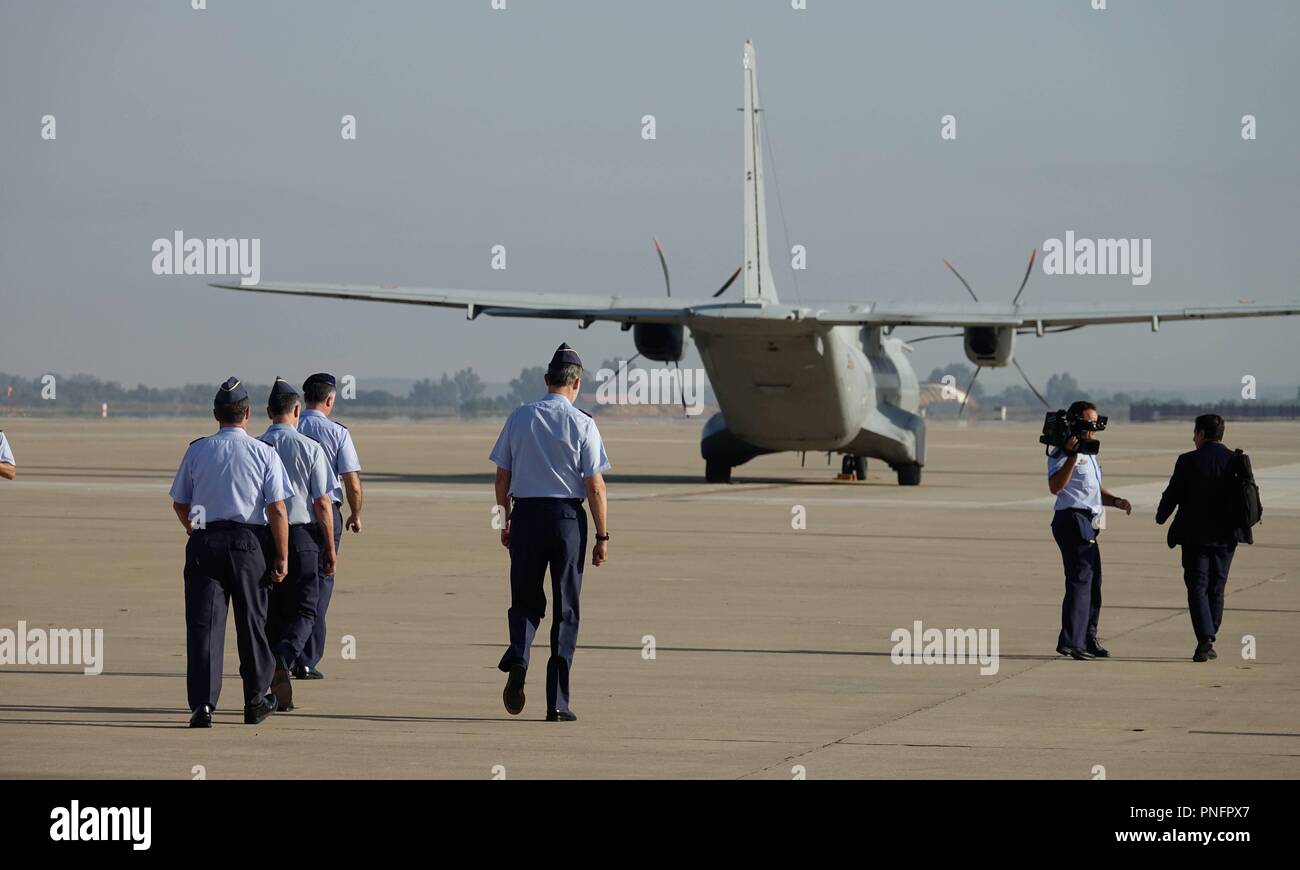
<point>717,472</point>
<point>909,474</point>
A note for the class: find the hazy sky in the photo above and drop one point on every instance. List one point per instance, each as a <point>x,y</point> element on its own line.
<point>522,128</point>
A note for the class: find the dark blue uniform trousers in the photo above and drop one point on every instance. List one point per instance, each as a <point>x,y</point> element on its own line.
<point>546,532</point>
<point>314,649</point>
<point>1205,573</point>
<point>1082,560</point>
<point>225,562</point>
<point>294,599</point>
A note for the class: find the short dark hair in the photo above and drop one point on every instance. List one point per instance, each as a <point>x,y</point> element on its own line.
<point>563,375</point>
<point>1077,409</point>
<point>1211,426</point>
<point>316,392</point>
<point>232,413</point>
<point>281,403</point>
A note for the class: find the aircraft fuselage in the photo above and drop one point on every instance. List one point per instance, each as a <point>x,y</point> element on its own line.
<point>816,388</point>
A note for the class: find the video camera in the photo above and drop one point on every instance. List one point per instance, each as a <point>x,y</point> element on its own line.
<point>1061,426</point>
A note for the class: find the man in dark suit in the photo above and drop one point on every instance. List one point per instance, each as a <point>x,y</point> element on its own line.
<point>1199,490</point>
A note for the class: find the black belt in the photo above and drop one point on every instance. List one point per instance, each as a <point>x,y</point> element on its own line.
<point>224,525</point>
<point>547,499</point>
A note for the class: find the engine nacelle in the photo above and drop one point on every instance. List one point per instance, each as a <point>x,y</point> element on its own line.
<point>660,342</point>
<point>989,345</point>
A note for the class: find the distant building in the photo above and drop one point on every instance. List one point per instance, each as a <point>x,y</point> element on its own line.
<point>933,395</point>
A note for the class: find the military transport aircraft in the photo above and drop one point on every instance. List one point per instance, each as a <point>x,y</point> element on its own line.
<point>828,379</point>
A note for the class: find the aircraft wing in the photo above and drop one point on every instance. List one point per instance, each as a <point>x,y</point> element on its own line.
<point>504,303</point>
<point>1035,315</point>
<point>665,309</point>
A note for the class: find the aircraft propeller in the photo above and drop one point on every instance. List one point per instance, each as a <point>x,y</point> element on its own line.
<point>1033,255</point>
<point>668,287</point>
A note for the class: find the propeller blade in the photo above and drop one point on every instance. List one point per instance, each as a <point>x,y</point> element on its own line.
<point>969,387</point>
<point>663,261</point>
<point>1030,383</point>
<point>962,280</point>
<point>1032,256</point>
<point>730,281</point>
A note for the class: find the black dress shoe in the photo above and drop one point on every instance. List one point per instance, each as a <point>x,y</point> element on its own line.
<point>306,672</point>
<point>254,714</point>
<point>561,716</point>
<point>513,694</point>
<point>1211,653</point>
<point>202,717</point>
<point>1096,649</point>
<point>280,685</point>
<point>1074,652</point>
<point>1202,653</point>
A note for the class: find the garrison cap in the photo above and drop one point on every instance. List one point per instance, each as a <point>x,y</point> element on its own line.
<point>319,378</point>
<point>281,387</point>
<point>231,391</point>
<point>566,356</point>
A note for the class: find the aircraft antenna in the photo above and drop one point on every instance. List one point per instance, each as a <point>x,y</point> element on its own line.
<point>780,208</point>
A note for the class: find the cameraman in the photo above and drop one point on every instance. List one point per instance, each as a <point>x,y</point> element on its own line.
<point>1075,479</point>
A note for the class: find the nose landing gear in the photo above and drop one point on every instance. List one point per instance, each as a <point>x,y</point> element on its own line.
<point>852,468</point>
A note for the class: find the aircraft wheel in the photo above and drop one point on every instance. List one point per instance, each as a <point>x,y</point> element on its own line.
<point>860,467</point>
<point>717,472</point>
<point>909,475</point>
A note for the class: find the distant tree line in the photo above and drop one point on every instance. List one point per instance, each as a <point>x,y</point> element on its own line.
<point>1148,412</point>
<point>1059,390</point>
<point>461,393</point>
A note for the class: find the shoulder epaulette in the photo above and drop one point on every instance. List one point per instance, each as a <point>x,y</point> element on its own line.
<point>584,412</point>
<point>197,440</point>
<point>337,423</point>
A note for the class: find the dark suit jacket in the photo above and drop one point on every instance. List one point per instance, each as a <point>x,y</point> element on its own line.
<point>1199,490</point>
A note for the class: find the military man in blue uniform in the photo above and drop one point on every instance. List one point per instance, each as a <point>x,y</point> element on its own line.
<point>8,468</point>
<point>294,600</point>
<point>229,494</point>
<point>549,456</point>
<point>1075,479</point>
<point>319,393</point>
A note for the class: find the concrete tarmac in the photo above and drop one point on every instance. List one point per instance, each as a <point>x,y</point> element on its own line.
<point>719,641</point>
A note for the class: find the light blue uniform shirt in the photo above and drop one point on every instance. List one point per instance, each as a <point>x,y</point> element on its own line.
<point>6,455</point>
<point>337,443</point>
<point>233,476</point>
<point>1083,489</point>
<point>550,447</point>
<point>311,475</point>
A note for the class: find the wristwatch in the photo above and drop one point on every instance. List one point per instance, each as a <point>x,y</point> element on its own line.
<point>604,537</point>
